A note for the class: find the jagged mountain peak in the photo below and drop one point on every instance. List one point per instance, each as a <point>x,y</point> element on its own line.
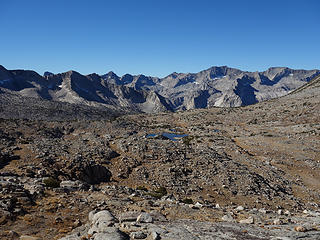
<point>277,68</point>
<point>4,73</point>
<point>72,72</point>
<point>48,74</point>
<point>125,79</point>
<point>127,75</point>
<point>174,75</point>
<point>94,75</point>
<point>110,75</point>
<point>220,86</point>
<point>2,68</point>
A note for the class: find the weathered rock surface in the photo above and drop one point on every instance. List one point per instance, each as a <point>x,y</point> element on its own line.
<point>191,229</point>
<point>101,227</point>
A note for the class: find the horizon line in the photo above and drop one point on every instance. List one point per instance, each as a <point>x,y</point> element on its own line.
<point>147,75</point>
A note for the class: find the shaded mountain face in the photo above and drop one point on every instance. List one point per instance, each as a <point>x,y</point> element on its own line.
<point>216,86</point>
<point>47,74</point>
<point>219,86</point>
<point>75,88</point>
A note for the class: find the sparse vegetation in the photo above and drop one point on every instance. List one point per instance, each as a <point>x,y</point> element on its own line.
<point>158,193</point>
<point>142,188</point>
<point>187,201</point>
<point>51,182</point>
<point>187,140</point>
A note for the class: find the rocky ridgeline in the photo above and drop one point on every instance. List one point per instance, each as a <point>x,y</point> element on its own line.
<point>70,95</point>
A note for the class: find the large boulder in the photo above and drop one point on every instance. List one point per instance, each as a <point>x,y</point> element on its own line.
<point>100,227</point>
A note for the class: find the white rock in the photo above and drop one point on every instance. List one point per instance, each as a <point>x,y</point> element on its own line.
<point>198,205</point>
<point>240,208</point>
<point>130,216</point>
<point>138,235</point>
<point>280,212</point>
<point>154,236</point>
<point>249,220</point>
<point>101,226</point>
<point>262,210</point>
<point>91,214</point>
<point>287,212</point>
<point>277,221</point>
<point>109,236</point>
<point>71,185</point>
<point>144,218</point>
<point>103,215</point>
<point>227,218</point>
<point>70,238</point>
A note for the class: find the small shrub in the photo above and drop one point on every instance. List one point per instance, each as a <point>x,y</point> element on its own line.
<point>142,188</point>
<point>51,182</point>
<point>187,140</point>
<point>187,201</point>
<point>161,190</point>
<point>158,193</point>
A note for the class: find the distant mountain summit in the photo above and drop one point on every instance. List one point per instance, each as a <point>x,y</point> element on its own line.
<point>214,87</point>
<point>47,74</point>
<point>219,86</point>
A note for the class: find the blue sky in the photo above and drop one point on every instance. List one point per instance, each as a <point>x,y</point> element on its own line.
<point>158,37</point>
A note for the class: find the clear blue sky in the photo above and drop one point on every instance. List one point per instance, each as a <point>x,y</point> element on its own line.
<point>157,37</point>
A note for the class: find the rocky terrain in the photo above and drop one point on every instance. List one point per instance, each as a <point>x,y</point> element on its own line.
<point>221,173</point>
<point>216,86</point>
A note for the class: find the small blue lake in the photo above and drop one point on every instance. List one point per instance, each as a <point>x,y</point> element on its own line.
<point>151,135</point>
<point>171,136</point>
<point>174,136</point>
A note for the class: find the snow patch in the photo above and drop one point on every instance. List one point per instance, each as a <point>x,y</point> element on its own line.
<point>218,77</point>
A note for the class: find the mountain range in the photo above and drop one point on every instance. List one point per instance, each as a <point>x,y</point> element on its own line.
<point>214,87</point>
